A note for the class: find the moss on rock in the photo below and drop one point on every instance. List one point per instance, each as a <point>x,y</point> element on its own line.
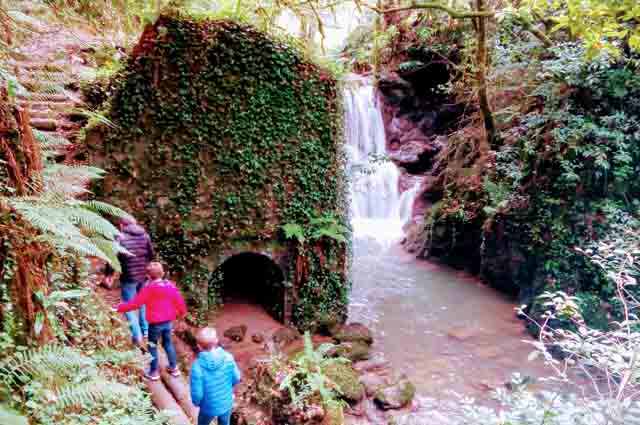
<point>395,396</point>
<point>346,378</point>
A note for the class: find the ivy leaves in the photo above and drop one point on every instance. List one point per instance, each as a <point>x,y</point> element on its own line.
<point>234,132</point>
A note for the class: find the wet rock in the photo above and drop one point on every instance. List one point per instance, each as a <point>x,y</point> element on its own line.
<point>284,336</point>
<point>354,332</point>
<point>354,351</point>
<point>236,333</point>
<point>373,414</point>
<point>490,352</point>
<point>376,363</point>
<point>410,152</point>
<point>346,378</point>
<point>257,338</point>
<point>372,383</point>
<point>395,396</point>
<point>462,333</point>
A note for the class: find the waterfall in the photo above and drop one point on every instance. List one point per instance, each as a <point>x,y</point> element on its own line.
<point>378,209</point>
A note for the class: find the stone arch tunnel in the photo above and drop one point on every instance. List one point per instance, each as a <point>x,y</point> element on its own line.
<point>254,278</point>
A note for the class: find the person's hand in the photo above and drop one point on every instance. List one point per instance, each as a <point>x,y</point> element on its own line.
<point>108,282</point>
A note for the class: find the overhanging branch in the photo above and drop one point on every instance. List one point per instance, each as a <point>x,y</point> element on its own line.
<point>454,13</point>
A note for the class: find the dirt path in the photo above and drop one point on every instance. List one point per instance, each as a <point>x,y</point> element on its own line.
<point>173,394</point>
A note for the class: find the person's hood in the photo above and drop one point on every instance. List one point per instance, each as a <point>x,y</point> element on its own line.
<point>212,360</point>
<point>133,229</point>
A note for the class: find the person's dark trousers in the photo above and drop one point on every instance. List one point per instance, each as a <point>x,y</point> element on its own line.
<point>137,320</point>
<point>204,419</point>
<point>157,331</point>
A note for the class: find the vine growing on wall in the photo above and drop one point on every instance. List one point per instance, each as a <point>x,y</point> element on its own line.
<point>223,134</point>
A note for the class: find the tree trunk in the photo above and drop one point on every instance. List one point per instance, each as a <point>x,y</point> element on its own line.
<point>481,75</point>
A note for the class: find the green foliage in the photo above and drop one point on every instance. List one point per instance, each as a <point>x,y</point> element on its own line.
<point>305,377</point>
<point>599,24</point>
<point>8,417</point>
<point>227,135</point>
<point>68,224</point>
<point>564,176</point>
<point>319,227</point>
<point>58,383</point>
<point>294,231</point>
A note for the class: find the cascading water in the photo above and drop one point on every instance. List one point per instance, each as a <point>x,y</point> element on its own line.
<point>429,321</point>
<point>378,209</point>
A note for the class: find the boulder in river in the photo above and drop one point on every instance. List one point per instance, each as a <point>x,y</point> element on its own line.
<point>395,396</point>
<point>346,378</point>
<point>354,332</point>
<point>372,383</point>
<point>236,333</point>
<point>354,351</point>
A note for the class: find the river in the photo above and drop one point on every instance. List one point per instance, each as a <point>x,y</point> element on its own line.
<point>449,332</point>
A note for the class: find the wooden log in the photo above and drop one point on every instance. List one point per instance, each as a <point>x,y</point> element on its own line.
<point>165,402</point>
<point>178,386</point>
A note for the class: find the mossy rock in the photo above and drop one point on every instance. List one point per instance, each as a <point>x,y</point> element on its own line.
<point>354,332</point>
<point>354,351</point>
<point>346,378</point>
<point>395,396</point>
<point>334,415</point>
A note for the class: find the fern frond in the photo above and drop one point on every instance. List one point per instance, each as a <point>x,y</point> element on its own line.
<point>91,222</point>
<point>94,390</point>
<point>43,363</point>
<point>47,219</point>
<point>50,141</point>
<point>294,231</point>
<point>43,87</point>
<point>74,172</point>
<point>111,249</point>
<point>95,116</point>
<point>117,358</point>
<point>81,245</point>
<point>330,232</point>
<point>104,208</point>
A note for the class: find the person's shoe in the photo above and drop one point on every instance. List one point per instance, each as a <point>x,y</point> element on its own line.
<point>174,371</point>
<point>152,376</point>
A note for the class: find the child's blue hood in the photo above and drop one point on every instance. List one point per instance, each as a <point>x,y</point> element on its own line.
<point>212,360</point>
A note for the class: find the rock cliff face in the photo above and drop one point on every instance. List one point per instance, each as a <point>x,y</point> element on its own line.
<point>418,116</point>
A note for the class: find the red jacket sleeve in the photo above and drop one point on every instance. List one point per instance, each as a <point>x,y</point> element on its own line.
<point>136,303</point>
<point>178,301</point>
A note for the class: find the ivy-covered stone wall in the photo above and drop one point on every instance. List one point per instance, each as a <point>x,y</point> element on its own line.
<point>223,135</point>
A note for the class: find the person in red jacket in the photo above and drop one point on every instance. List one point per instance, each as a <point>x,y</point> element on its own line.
<point>164,304</point>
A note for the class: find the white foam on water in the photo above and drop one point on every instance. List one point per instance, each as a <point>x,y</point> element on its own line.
<point>378,209</point>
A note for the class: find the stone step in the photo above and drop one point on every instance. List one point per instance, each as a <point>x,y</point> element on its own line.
<point>36,65</point>
<point>45,124</point>
<point>44,113</point>
<point>46,97</point>
<point>47,105</point>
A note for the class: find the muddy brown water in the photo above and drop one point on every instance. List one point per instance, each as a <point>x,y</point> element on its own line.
<point>444,328</point>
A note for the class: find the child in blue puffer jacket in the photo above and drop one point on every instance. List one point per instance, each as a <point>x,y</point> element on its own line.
<point>213,376</point>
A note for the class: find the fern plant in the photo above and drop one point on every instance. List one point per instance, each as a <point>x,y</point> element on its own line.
<point>327,226</point>
<point>57,382</point>
<point>71,225</point>
<point>305,378</point>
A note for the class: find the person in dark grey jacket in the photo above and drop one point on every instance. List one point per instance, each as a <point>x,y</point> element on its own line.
<point>136,240</point>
